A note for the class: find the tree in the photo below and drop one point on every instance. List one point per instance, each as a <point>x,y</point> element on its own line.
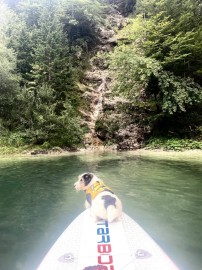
<point>50,90</point>
<point>8,76</point>
<point>159,48</point>
<point>52,60</point>
<point>158,64</point>
<point>8,81</point>
<point>81,19</point>
<point>174,35</point>
<point>19,39</point>
<point>44,105</point>
<point>124,6</point>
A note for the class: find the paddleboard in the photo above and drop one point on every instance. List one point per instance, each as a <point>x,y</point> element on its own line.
<point>86,245</point>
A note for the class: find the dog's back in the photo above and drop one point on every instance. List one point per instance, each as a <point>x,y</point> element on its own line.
<point>106,206</point>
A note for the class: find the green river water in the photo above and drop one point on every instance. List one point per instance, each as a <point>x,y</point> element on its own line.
<point>162,192</point>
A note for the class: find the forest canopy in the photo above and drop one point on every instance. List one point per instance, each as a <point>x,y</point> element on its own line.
<point>41,47</point>
<point>45,47</point>
<point>158,62</point>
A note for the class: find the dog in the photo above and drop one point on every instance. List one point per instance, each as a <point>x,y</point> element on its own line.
<point>103,203</point>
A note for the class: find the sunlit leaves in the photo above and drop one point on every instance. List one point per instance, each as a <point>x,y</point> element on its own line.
<point>8,76</point>
<point>132,73</point>
<point>164,43</point>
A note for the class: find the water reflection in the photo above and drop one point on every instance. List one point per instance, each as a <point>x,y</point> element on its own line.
<point>37,201</point>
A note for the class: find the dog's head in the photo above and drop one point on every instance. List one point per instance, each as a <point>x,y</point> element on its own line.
<point>85,180</point>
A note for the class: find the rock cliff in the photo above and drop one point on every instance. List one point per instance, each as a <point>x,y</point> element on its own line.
<point>109,119</point>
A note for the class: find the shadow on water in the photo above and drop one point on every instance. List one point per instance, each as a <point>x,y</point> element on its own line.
<point>37,202</point>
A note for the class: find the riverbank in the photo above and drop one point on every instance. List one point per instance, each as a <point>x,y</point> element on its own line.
<point>57,151</point>
<point>153,144</point>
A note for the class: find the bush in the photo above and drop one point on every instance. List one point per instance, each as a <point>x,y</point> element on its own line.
<point>15,139</point>
<point>173,144</point>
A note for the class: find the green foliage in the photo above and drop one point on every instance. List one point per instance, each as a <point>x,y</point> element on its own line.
<point>51,53</point>
<point>174,144</point>
<point>159,59</point>
<point>13,139</point>
<point>124,6</point>
<point>44,47</point>
<point>44,105</point>
<point>43,122</point>
<point>133,72</point>
<point>80,21</point>
<point>106,128</point>
<point>177,92</point>
<point>157,65</point>
<point>176,47</point>
<point>8,76</point>
<point>173,34</point>
<point>29,11</point>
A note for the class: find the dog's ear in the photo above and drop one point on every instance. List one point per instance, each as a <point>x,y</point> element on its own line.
<point>87,177</point>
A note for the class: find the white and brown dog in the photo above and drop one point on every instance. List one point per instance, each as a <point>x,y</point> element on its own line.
<point>103,203</point>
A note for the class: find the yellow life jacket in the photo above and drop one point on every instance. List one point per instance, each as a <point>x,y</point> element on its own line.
<point>95,189</point>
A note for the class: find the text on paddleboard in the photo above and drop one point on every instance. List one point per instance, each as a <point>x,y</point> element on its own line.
<point>104,248</point>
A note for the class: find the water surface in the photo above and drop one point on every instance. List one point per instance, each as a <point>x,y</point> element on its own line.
<point>37,201</point>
